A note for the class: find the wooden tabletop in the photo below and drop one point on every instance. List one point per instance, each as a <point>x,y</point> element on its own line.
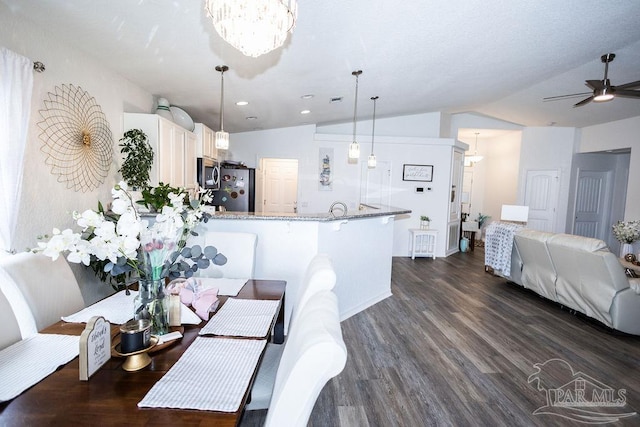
<point>111,395</point>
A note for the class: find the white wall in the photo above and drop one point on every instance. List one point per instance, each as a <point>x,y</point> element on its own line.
<point>303,144</point>
<point>617,135</point>
<point>502,167</point>
<point>548,148</point>
<point>416,125</point>
<point>47,203</point>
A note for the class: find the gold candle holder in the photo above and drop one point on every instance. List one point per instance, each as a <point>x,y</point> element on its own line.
<point>137,359</point>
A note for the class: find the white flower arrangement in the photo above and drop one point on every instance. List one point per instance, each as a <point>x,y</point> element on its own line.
<point>626,232</point>
<point>120,243</point>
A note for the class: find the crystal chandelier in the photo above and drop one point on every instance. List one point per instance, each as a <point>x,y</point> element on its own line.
<point>222,137</point>
<point>371,161</point>
<point>354,147</point>
<point>253,27</point>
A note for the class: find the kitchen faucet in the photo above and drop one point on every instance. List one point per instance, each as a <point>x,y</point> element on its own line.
<point>344,208</point>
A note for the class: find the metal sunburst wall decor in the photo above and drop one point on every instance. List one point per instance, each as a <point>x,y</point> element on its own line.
<point>77,139</point>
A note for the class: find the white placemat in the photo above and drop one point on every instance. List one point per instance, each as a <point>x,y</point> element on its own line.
<point>212,374</point>
<point>117,309</point>
<point>242,318</point>
<point>29,361</point>
<point>225,286</point>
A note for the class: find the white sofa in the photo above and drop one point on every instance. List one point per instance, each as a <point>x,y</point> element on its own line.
<point>577,272</point>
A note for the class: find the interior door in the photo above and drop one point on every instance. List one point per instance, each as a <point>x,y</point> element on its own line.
<point>280,185</point>
<point>541,195</point>
<point>593,203</point>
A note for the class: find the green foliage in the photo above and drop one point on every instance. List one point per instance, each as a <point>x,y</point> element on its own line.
<point>138,159</point>
<point>424,218</point>
<point>155,198</point>
<point>481,219</point>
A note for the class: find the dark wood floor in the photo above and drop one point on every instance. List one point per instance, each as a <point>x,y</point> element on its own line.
<point>456,346</point>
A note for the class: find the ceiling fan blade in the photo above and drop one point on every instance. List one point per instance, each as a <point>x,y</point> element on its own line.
<point>595,84</point>
<point>559,97</point>
<point>627,93</point>
<point>584,102</point>
<point>629,85</point>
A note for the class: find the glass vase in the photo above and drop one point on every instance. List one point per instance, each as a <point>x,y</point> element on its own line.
<point>152,303</point>
<point>627,248</point>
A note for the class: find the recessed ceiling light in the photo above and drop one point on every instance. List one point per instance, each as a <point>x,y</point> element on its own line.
<point>305,111</point>
<point>308,96</point>
<point>335,100</point>
<point>251,118</point>
<point>242,103</point>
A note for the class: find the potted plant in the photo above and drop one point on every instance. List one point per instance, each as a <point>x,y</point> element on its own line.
<point>155,198</point>
<point>138,159</point>
<point>424,222</point>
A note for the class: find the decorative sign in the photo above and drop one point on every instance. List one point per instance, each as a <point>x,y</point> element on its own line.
<point>95,346</point>
<point>417,173</point>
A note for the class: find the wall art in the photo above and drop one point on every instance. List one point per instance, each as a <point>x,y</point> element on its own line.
<point>77,139</point>
<point>417,173</point>
<point>325,182</point>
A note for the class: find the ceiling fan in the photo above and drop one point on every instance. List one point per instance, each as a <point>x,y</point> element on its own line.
<point>603,90</point>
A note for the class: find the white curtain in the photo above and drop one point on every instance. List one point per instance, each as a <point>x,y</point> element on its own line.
<point>16,85</point>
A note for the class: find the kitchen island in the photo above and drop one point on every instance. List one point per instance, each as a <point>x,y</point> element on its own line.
<point>359,243</point>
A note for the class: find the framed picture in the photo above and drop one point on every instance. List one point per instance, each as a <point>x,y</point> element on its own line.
<point>417,173</point>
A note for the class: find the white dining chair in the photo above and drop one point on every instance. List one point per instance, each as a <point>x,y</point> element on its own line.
<point>49,287</point>
<point>240,251</point>
<point>314,352</point>
<point>319,276</point>
<point>10,329</point>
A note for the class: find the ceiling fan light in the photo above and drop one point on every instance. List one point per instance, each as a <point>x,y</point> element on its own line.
<point>603,96</point>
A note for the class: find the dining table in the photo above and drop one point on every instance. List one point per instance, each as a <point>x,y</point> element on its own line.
<point>111,395</point>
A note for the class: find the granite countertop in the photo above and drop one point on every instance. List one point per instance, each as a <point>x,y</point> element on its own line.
<point>367,212</point>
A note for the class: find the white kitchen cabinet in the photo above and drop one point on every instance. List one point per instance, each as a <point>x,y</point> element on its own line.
<point>174,149</point>
<point>206,146</point>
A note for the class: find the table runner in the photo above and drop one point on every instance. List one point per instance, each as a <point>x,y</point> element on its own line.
<point>118,309</point>
<point>212,374</point>
<point>242,318</point>
<point>225,286</point>
<point>29,361</point>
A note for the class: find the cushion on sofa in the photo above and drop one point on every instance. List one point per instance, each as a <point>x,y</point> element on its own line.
<point>589,275</point>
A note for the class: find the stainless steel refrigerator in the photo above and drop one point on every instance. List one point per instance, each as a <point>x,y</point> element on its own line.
<point>237,190</point>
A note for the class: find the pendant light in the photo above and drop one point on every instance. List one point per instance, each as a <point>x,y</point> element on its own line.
<point>470,160</point>
<point>354,148</point>
<point>222,137</point>
<point>371,161</point>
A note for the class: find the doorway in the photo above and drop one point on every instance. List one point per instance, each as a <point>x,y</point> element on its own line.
<point>541,195</point>
<point>279,186</point>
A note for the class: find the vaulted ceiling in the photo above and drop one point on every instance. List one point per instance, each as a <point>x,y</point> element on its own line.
<point>498,58</point>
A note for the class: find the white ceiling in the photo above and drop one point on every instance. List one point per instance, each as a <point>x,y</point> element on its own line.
<point>498,58</point>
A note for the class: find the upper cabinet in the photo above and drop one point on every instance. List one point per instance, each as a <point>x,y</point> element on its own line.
<point>175,149</point>
<point>206,146</point>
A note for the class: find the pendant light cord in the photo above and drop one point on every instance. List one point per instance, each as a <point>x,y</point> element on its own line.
<point>355,104</point>
<point>373,130</point>
<point>222,69</point>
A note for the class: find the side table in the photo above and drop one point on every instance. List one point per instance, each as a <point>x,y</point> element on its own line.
<point>423,242</point>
